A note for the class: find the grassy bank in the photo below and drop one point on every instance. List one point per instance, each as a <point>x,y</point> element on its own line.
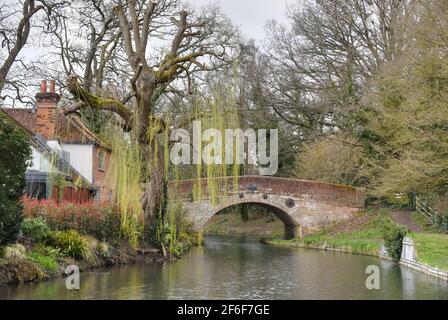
<point>361,235</point>
<point>258,224</point>
<point>26,262</point>
<point>432,249</point>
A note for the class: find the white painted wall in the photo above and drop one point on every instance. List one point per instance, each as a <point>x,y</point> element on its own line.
<point>81,158</point>
<point>38,161</point>
<point>35,161</point>
<point>54,145</point>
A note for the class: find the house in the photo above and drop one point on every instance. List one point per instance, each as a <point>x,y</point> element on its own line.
<point>62,144</point>
<point>49,175</point>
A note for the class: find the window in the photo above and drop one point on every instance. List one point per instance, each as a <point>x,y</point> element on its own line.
<point>97,197</point>
<point>102,160</point>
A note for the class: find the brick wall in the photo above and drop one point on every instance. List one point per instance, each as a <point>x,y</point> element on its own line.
<point>100,176</point>
<point>317,191</point>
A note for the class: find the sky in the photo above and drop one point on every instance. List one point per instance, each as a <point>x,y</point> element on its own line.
<point>250,15</point>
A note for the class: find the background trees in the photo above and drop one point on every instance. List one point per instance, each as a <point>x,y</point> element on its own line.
<point>377,73</point>
<point>335,159</point>
<point>313,72</point>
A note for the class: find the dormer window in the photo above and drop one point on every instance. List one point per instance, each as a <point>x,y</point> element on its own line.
<point>101,160</point>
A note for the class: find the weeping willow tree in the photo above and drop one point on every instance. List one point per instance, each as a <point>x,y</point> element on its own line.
<point>198,43</point>
<point>219,112</point>
<point>125,178</point>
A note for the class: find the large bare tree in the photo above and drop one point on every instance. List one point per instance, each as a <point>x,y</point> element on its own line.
<point>156,48</point>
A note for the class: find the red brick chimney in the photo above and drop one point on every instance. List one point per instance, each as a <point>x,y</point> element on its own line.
<point>46,110</point>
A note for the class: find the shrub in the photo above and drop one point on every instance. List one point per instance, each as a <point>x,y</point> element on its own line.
<point>46,250</point>
<point>70,243</point>
<point>178,232</point>
<point>48,262</point>
<point>14,251</point>
<point>180,247</point>
<point>176,220</point>
<point>35,228</point>
<point>103,250</point>
<point>441,223</point>
<point>15,154</point>
<point>98,220</point>
<point>393,235</point>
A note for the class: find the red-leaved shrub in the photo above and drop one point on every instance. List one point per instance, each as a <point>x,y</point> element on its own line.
<point>98,220</point>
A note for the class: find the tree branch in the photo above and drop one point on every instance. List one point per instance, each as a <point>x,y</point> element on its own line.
<point>99,103</point>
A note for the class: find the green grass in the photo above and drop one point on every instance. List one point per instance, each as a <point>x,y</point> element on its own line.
<point>365,240</point>
<point>432,249</point>
<point>47,262</point>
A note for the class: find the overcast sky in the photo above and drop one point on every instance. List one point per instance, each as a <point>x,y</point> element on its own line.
<point>250,15</point>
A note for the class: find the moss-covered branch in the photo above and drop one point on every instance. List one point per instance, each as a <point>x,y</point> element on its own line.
<point>170,66</point>
<point>99,103</point>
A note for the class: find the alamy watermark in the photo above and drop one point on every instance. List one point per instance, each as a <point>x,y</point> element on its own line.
<point>373,280</point>
<point>211,147</point>
<point>72,282</point>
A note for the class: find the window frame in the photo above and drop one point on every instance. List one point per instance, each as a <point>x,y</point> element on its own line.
<point>101,160</point>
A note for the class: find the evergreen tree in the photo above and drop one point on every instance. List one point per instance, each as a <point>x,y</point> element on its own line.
<point>15,153</point>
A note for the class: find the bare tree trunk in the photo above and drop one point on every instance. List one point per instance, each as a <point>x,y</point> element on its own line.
<point>154,195</point>
<point>153,152</point>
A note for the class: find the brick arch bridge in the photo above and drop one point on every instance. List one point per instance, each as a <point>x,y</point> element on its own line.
<point>303,206</point>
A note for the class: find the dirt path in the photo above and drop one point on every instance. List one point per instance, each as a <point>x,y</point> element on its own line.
<point>404,218</point>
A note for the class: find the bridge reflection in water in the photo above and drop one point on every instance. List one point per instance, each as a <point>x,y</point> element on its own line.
<point>303,206</point>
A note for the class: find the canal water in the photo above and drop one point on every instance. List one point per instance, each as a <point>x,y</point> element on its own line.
<point>242,268</point>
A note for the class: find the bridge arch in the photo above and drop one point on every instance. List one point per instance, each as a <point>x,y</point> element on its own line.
<point>292,228</point>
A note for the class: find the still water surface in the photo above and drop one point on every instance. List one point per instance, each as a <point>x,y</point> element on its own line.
<point>242,268</point>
